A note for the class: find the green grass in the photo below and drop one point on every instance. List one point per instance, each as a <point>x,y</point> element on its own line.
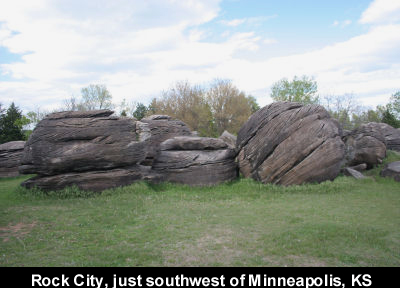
<point>341,223</point>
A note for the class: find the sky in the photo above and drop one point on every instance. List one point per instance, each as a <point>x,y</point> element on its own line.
<point>50,49</point>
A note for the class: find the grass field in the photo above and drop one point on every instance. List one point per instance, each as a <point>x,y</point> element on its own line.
<point>341,223</point>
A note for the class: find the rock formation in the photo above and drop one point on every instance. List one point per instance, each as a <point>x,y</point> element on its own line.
<point>229,139</point>
<point>196,161</point>
<point>353,173</point>
<point>392,170</point>
<point>10,156</point>
<point>289,143</point>
<point>391,135</point>
<point>80,148</point>
<point>156,129</point>
<point>365,144</point>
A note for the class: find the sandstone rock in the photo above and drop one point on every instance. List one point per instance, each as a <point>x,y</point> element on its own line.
<point>391,135</point>
<point>360,167</point>
<point>10,156</point>
<point>156,129</point>
<point>196,161</point>
<point>353,173</point>
<point>67,142</point>
<point>289,143</point>
<point>92,180</point>
<point>229,139</point>
<point>392,170</point>
<point>365,144</point>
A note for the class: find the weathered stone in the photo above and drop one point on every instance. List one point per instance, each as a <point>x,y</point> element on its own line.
<point>196,161</point>
<point>353,173</point>
<point>67,142</point>
<point>92,180</point>
<point>365,144</point>
<point>360,167</point>
<point>392,170</point>
<point>229,139</point>
<point>10,156</point>
<point>193,143</point>
<point>156,129</point>
<point>289,143</point>
<point>391,135</point>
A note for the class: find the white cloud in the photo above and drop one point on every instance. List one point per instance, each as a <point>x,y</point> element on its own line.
<point>233,23</point>
<point>138,48</point>
<point>254,21</point>
<point>341,24</point>
<point>381,11</point>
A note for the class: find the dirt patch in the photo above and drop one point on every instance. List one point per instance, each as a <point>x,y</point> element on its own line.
<point>18,230</point>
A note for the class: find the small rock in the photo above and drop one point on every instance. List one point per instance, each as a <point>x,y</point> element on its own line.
<point>392,170</point>
<point>353,173</point>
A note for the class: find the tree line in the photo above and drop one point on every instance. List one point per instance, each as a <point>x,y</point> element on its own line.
<point>208,109</point>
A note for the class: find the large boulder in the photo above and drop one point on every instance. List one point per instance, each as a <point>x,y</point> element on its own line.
<point>10,156</point>
<point>365,144</point>
<point>289,143</point>
<point>392,170</point>
<point>155,129</point>
<point>82,141</point>
<point>391,135</point>
<point>93,150</point>
<point>92,180</point>
<point>196,161</point>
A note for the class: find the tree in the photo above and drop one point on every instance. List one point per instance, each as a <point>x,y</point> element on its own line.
<point>390,119</point>
<point>344,108</point>
<point>252,101</point>
<point>95,97</point>
<point>230,107</point>
<point>11,125</point>
<point>301,90</point>
<point>140,111</point>
<point>394,105</point>
<point>186,102</point>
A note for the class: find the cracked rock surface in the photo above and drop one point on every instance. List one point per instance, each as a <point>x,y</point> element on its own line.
<point>10,156</point>
<point>156,129</point>
<point>365,144</point>
<point>391,135</point>
<point>289,143</point>
<point>87,149</point>
<point>196,161</point>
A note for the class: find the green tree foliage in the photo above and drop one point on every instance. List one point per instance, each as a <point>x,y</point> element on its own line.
<point>140,111</point>
<point>390,119</point>
<point>300,89</point>
<point>394,105</point>
<point>11,125</point>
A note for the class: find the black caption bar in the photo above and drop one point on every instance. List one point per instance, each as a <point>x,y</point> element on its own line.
<point>203,277</point>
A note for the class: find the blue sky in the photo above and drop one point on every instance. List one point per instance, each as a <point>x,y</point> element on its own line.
<point>50,49</point>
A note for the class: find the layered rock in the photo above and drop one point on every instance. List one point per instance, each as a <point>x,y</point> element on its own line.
<point>229,139</point>
<point>365,144</point>
<point>391,135</point>
<point>10,156</point>
<point>289,143</point>
<point>82,147</point>
<point>156,129</point>
<point>196,161</point>
<point>353,173</point>
<point>93,180</point>
<point>392,170</point>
